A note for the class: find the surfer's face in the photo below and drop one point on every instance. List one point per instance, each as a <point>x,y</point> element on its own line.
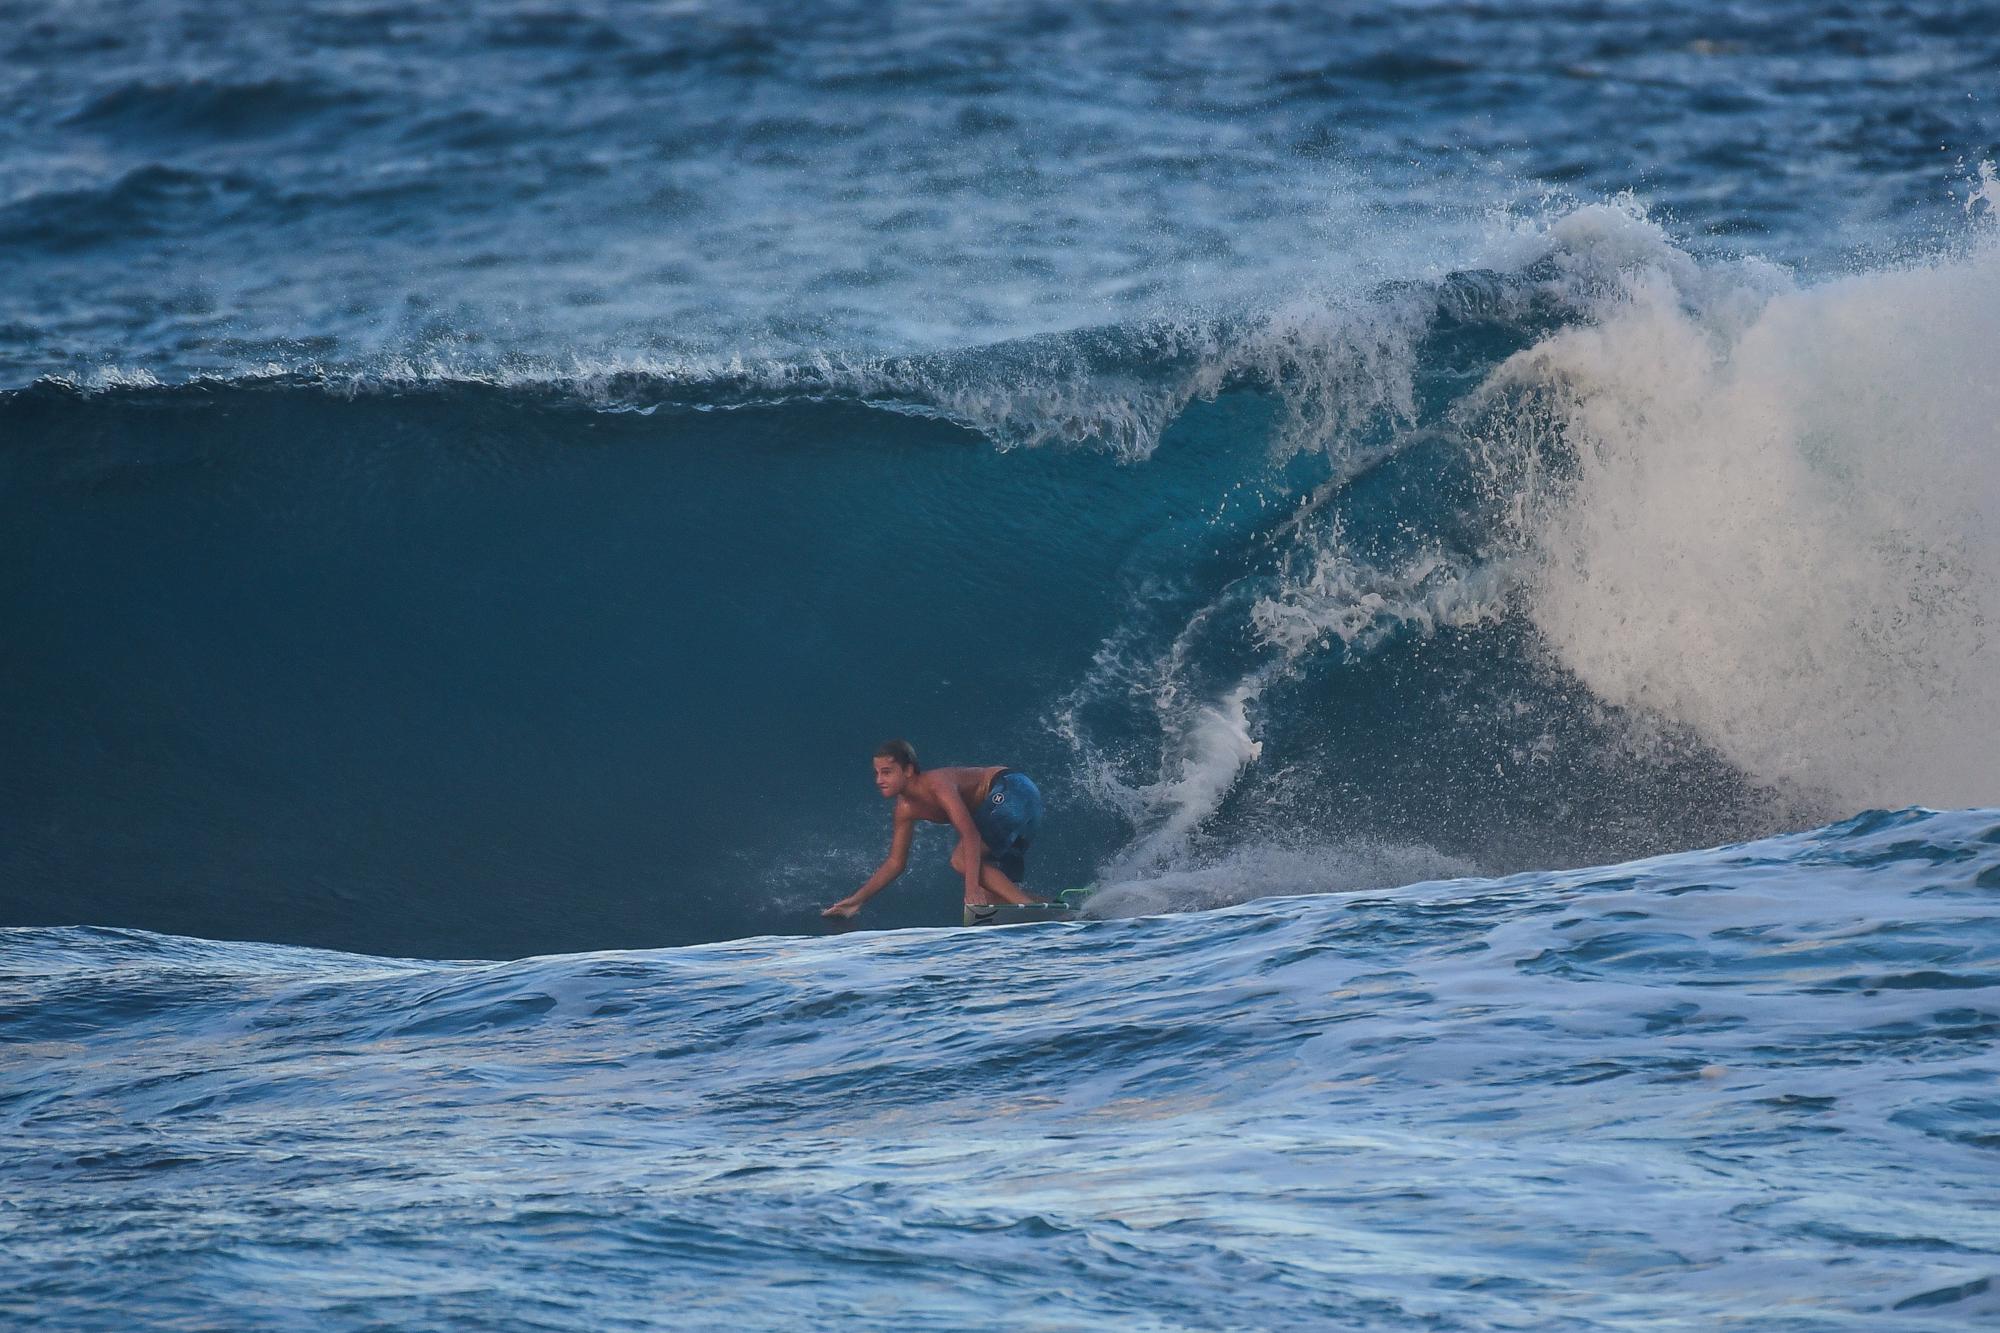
<point>890,777</point>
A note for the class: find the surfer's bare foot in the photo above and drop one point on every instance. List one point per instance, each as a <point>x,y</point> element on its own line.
<point>845,909</point>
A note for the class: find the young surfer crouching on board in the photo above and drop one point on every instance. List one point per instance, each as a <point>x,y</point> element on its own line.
<point>995,810</point>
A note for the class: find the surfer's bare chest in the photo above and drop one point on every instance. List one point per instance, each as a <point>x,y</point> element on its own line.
<point>972,784</point>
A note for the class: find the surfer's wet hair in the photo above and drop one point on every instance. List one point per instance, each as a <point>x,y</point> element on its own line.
<point>901,751</point>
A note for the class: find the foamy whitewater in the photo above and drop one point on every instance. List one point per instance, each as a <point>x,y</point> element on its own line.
<point>478,486</point>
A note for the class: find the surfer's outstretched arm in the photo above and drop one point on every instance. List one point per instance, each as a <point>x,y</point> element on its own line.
<point>898,861</point>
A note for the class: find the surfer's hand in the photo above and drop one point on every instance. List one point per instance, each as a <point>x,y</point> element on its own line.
<point>845,908</point>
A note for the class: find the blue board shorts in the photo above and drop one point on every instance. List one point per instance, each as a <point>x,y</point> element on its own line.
<point>1008,820</point>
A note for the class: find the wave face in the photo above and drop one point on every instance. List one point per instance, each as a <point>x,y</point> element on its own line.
<point>1673,1093</point>
<point>1605,552</point>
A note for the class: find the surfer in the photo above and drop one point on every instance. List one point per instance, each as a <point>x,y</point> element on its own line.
<point>996,811</point>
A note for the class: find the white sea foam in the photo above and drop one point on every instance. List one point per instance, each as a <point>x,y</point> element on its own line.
<point>1213,747</point>
<point>1337,596</point>
<point>1982,196</point>
<point>1763,512</point>
<point>1267,870</point>
<point>1783,524</point>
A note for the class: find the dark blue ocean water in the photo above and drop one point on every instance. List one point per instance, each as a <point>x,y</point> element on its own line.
<point>478,482</point>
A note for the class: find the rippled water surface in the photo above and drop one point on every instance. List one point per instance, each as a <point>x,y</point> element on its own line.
<point>211,187</point>
<point>1754,1085</point>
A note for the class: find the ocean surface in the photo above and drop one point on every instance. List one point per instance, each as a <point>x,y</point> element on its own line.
<point>1483,520</point>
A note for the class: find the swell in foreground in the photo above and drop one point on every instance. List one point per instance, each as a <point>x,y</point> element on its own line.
<point>1748,1085</point>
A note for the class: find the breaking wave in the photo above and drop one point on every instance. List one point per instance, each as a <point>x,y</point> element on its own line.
<point>1600,550</point>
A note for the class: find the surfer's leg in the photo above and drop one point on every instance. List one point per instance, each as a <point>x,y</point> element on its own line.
<point>999,888</point>
<point>983,895</point>
<point>994,886</point>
